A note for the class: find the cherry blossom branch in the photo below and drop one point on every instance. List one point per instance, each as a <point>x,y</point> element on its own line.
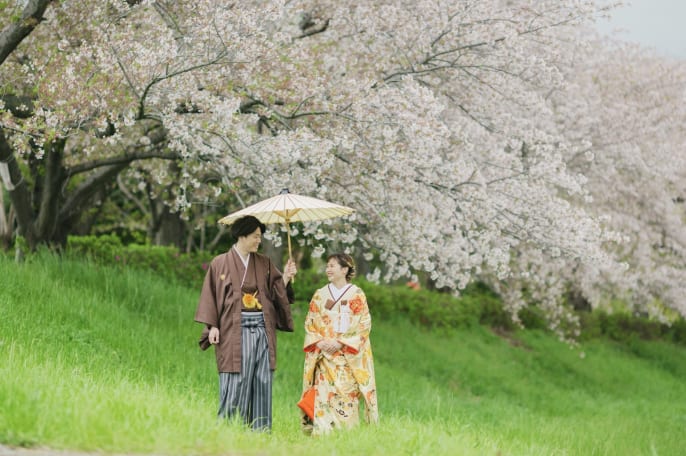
<point>147,149</point>
<point>158,79</point>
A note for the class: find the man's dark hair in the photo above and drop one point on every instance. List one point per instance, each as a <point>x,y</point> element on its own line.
<point>245,226</point>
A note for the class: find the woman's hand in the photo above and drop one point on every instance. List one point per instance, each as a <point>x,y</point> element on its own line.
<point>289,271</point>
<point>214,335</point>
<point>329,346</point>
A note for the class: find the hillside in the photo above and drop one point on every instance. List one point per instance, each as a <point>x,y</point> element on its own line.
<point>100,359</point>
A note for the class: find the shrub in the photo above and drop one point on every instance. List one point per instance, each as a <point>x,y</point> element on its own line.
<point>103,248</point>
<point>477,304</point>
<point>168,262</point>
<point>624,327</point>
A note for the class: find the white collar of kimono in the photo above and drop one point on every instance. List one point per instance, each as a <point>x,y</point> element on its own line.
<point>336,293</point>
<point>245,261</point>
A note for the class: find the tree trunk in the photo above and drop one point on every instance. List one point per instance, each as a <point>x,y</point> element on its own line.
<point>53,180</point>
<point>18,191</point>
<point>6,222</point>
<point>171,228</point>
<point>50,217</point>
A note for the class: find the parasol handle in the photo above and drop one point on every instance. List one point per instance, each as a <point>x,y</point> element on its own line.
<point>290,256</point>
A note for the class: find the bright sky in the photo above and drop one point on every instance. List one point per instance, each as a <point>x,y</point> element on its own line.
<point>659,24</point>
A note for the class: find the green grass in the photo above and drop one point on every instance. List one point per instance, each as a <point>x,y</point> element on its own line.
<point>99,359</point>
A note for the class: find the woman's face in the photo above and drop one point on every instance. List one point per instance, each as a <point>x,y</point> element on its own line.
<point>251,242</point>
<point>335,272</point>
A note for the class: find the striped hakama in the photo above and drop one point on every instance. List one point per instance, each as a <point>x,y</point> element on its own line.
<point>249,393</point>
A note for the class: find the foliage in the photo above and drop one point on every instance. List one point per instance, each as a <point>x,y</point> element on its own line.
<point>624,327</point>
<point>115,368</point>
<point>476,305</point>
<point>167,262</point>
<point>103,248</point>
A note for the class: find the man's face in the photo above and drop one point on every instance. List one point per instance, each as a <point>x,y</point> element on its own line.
<point>251,242</point>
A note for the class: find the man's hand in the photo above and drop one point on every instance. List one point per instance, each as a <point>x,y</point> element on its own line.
<point>214,335</point>
<point>289,271</point>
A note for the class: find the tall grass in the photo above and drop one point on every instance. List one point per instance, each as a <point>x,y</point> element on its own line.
<point>99,359</point>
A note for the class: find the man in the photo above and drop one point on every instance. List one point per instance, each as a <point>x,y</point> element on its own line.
<point>243,301</point>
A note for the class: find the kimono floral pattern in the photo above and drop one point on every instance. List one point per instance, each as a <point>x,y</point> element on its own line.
<point>346,378</point>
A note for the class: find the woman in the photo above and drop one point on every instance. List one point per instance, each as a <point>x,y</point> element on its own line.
<point>339,367</point>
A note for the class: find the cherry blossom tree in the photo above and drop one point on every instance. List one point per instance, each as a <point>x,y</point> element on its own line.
<point>621,108</point>
<point>635,168</point>
<point>445,124</point>
<point>58,123</point>
<point>450,150</point>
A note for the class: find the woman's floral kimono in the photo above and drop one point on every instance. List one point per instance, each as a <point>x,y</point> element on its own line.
<point>346,376</point>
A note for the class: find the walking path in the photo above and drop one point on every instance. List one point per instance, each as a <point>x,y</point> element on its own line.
<point>13,451</point>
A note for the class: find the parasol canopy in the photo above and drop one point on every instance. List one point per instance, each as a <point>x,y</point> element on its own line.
<point>286,208</point>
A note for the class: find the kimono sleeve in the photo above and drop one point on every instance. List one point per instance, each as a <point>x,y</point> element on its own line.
<point>313,325</point>
<point>282,298</point>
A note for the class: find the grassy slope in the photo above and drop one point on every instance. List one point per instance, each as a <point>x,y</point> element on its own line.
<point>97,359</point>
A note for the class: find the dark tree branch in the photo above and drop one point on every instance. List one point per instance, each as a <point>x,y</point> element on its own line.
<point>107,169</point>
<point>313,30</point>
<point>52,182</point>
<point>155,133</point>
<point>12,35</point>
<point>439,56</point>
<point>128,194</point>
<point>80,197</point>
<point>158,79</point>
<point>124,159</point>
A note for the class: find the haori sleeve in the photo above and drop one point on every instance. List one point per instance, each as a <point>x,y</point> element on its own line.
<point>281,297</point>
<point>207,311</point>
<point>313,324</point>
